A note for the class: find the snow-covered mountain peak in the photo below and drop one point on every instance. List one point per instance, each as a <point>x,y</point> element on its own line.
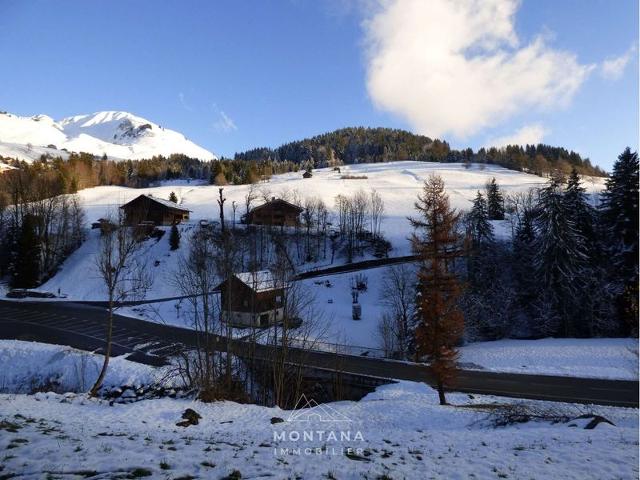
<point>117,134</point>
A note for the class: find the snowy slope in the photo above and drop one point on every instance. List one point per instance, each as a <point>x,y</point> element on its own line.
<point>119,135</point>
<point>398,183</point>
<point>404,434</point>
<point>615,358</point>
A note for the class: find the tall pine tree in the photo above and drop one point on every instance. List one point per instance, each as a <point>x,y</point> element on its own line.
<point>440,322</point>
<point>479,227</point>
<point>619,214</point>
<point>525,283</point>
<point>27,264</point>
<point>495,201</point>
<point>560,260</point>
<point>592,300</point>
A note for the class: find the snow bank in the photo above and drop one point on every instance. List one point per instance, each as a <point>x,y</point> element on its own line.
<point>29,366</point>
<point>615,358</point>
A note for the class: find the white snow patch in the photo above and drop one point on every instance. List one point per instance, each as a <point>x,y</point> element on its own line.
<point>615,358</point>
<point>25,366</point>
<point>404,434</point>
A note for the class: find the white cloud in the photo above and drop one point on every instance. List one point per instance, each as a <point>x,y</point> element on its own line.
<point>527,135</point>
<point>612,68</point>
<point>224,123</point>
<point>457,66</point>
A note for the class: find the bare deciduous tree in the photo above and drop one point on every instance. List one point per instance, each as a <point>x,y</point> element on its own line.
<point>197,278</point>
<point>121,266</point>
<point>397,294</point>
<point>376,212</point>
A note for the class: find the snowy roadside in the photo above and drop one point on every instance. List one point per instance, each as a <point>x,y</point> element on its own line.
<point>397,431</point>
<point>614,358</point>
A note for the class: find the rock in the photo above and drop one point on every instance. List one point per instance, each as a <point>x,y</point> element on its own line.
<point>191,417</point>
<point>276,420</point>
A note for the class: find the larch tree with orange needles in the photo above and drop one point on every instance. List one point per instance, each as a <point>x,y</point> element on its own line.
<point>440,322</point>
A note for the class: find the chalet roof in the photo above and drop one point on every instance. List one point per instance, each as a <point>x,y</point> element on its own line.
<point>161,201</point>
<point>275,201</point>
<point>260,281</point>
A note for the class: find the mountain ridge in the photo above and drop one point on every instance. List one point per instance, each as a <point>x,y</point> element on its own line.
<point>117,134</point>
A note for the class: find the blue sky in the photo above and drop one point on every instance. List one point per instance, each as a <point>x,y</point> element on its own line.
<point>233,75</point>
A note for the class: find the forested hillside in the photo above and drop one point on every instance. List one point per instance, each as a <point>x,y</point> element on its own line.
<point>371,145</point>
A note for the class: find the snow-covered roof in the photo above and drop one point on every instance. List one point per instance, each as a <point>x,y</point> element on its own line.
<point>161,201</point>
<point>167,203</point>
<point>260,281</point>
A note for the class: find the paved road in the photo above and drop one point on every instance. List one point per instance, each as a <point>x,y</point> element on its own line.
<point>82,326</point>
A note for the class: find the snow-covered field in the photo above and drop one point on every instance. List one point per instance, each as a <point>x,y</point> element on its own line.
<point>396,432</point>
<point>615,358</point>
<point>29,366</point>
<point>397,182</point>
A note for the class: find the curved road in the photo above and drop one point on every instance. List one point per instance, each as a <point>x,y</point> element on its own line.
<point>82,326</point>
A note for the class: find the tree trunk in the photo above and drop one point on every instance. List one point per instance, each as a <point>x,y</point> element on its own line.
<point>443,400</point>
<point>107,354</point>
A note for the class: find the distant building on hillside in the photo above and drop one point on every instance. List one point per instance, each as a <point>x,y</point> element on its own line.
<point>277,212</point>
<point>252,299</point>
<point>149,209</point>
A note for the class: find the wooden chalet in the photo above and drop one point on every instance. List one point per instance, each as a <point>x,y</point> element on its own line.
<point>276,212</point>
<point>149,209</point>
<point>252,299</point>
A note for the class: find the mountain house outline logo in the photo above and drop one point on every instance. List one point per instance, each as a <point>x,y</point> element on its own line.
<point>309,410</point>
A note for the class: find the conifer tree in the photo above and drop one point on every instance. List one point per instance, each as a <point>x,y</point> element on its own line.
<point>440,322</point>
<point>495,201</point>
<point>174,238</point>
<point>619,213</point>
<point>173,198</point>
<point>27,264</point>
<point>480,229</point>
<point>576,203</point>
<point>560,257</point>
<point>523,254</point>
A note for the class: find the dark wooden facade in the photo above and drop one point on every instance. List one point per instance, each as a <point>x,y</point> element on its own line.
<point>277,212</point>
<point>251,300</point>
<point>146,208</point>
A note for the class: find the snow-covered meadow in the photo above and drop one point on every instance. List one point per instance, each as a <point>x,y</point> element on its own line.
<point>398,183</point>
<point>396,432</point>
